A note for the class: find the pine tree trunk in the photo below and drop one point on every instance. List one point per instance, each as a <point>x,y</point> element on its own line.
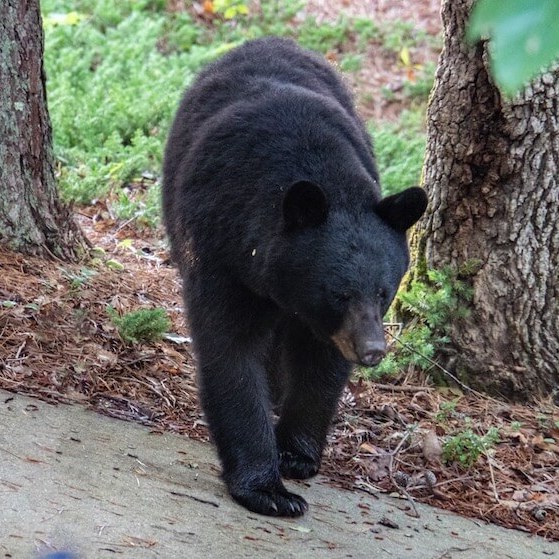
<point>32,220</point>
<point>492,175</point>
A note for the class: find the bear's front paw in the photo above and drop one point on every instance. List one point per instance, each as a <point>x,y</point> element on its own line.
<point>294,465</point>
<point>275,501</point>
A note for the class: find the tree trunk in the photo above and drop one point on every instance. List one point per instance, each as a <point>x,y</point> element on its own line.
<point>32,220</point>
<point>491,171</point>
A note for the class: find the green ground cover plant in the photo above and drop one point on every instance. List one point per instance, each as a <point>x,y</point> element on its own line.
<point>399,150</point>
<point>142,325</point>
<point>465,447</point>
<point>116,71</point>
<point>428,306</point>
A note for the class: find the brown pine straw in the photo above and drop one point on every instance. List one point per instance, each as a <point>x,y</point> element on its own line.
<point>57,343</point>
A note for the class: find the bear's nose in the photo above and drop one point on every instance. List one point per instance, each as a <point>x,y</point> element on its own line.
<point>372,353</point>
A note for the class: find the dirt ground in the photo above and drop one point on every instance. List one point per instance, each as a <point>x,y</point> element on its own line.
<point>58,343</point>
<point>380,84</point>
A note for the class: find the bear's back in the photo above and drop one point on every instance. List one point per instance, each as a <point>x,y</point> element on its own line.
<point>247,70</point>
<point>252,71</point>
<point>260,118</point>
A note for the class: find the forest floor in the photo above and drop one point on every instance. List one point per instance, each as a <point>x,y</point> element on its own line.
<point>381,84</point>
<point>58,343</point>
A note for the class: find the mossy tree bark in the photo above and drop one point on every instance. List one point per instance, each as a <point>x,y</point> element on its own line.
<point>492,174</point>
<point>32,219</point>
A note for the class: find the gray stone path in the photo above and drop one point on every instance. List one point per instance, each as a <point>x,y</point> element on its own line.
<point>73,480</point>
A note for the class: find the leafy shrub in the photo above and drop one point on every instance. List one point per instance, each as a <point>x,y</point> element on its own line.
<point>437,300</point>
<point>111,93</point>
<point>399,151</point>
<point>116,71</point>
<point>231,8</point>
<point>143,325</point>
<point>446,411</point>
<point>466,447</point>
<point>398,34</point>
<point>431,305</point>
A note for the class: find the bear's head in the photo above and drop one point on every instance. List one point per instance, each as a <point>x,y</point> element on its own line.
<point>340,264</point>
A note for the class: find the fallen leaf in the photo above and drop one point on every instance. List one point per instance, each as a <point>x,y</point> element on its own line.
<point>208,7</point>
<point>368,448</point>
<point>542,444</point>
<point>432,448</point>
<point>302,529</point>
<point>405,56</point>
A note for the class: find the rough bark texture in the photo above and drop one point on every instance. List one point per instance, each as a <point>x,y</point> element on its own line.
<point>32,220</point>
<point>491,172</point>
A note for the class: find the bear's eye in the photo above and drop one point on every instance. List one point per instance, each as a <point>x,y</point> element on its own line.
<point>382,294</point>
<point>342,297</point>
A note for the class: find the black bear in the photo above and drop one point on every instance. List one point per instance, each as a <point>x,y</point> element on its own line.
<point>288,253</point>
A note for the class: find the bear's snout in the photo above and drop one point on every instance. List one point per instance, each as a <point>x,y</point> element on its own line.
<point>361,336</point>
<point>372,353</point>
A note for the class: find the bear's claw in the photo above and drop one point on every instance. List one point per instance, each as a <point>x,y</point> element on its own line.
<point>296,466</point>
<point>275,502</point>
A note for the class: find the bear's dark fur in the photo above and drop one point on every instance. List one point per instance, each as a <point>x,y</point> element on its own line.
<point>288,254</point>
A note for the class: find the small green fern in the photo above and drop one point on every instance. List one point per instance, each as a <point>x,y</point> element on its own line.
<point>143,325</point>
<point>466,447</point>
<point>431,306</point>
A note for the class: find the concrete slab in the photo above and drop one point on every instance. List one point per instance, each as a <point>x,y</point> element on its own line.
<point>73,480</point>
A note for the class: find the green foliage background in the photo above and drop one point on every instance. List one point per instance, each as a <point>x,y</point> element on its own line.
<point>115,74</point>
<point>116,71</point>
<point>524,38</point>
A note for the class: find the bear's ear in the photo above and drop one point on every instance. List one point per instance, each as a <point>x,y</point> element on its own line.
<point>404,209</point>
<point>304,205</point>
